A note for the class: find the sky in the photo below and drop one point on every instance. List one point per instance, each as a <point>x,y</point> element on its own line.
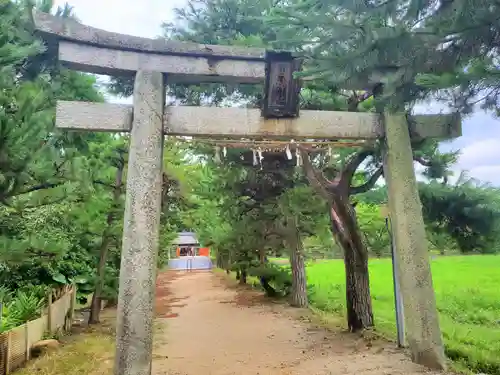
<point>479,144</point>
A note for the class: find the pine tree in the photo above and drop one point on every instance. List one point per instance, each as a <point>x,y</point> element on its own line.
<point>416,48</point>
<point>34,155</point>
<point>107,176</point>
<point>41,185</point>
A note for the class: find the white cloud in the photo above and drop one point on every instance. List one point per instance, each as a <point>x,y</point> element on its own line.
<point>140,18</point>
<point>480,148</point>
<point>481,160</point>
<point>489,174</point>
<point>484,153</point>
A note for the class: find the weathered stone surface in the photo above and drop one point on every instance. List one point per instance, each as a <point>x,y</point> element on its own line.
<point>90,116</point>
<point>141,229</point>
<point>43,346</point>
<point>99,60</point>
<point>423,333</point>
<point>98,51</point>
<point>247,123</point>
<point>46,344</point>
<point>69,29</point>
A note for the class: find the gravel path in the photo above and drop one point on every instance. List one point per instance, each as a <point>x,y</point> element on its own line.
<point>205,327</point>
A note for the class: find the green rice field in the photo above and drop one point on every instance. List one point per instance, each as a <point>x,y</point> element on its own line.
<point>468,299</point>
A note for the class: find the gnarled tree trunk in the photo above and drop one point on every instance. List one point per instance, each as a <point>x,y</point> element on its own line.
<point>348,235</point>
<point>346,231</point>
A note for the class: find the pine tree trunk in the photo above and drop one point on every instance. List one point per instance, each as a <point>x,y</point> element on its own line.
<point>262,256</point>
<point>298,296</point>
<point>95,307</point>
<point>299,281</point>
<point>243,277</point>
<point>359,309</point>
<point>347,233</point>
<point>227,263</point>
<point>219,260</point>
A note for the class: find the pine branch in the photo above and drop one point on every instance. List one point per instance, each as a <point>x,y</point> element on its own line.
<point>422,161</point>
<point>277,231</point>
<point>51,202</point>
<point>40,253</point>
<point>308,231</point>
<point>247,211</point>
<point>46,185</point>
<point>368,185</point>
<point>345,178</point>
<point>317,180</point>
<point>100,182</point>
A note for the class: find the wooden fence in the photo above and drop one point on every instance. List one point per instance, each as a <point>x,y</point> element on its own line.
<point>16,344</point>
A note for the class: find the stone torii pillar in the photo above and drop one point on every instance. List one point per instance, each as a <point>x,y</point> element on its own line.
<point>134,330</point>
<point>422,329</point>
<point>91,50</point>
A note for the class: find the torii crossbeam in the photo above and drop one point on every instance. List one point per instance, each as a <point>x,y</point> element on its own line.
<point>157,62</point>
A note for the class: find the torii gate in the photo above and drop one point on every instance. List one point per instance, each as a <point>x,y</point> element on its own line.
<point>157,62</point>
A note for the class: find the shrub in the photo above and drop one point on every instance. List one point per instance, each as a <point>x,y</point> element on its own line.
<point>275,280</point>
<point>25,306</point>
<point>8,320</point>
<point>5,295</point>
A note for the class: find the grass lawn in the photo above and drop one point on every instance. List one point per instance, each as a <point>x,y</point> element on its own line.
<point>468,299</point>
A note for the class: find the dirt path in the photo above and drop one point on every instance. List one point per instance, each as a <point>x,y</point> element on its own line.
<point>207,328</point>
